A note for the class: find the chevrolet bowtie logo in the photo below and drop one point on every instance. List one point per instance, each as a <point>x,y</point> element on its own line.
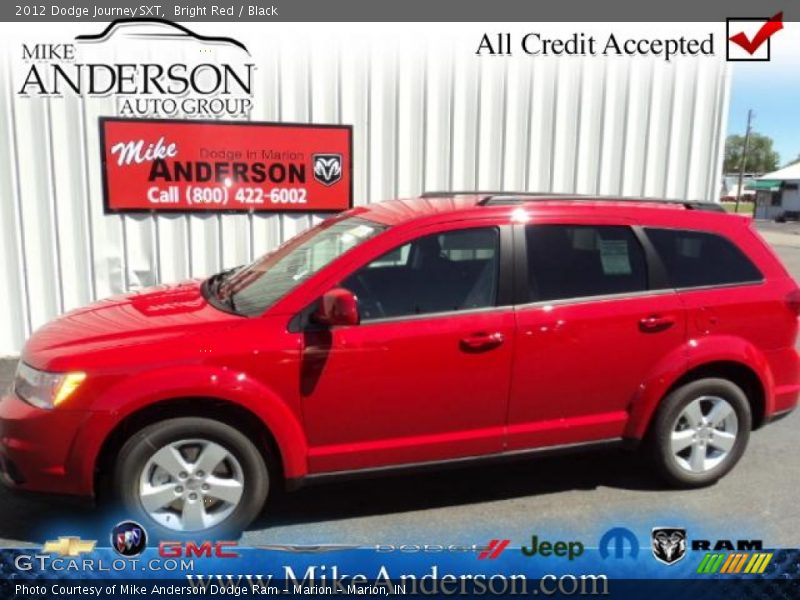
<point>68,546</point>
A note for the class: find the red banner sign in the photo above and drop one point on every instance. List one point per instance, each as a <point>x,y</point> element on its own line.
<point>161,165</point>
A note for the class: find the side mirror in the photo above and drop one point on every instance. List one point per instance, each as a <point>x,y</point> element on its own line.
<point>338,306</point>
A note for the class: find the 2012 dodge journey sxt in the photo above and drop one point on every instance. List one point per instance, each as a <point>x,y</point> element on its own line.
<point>410,332</point>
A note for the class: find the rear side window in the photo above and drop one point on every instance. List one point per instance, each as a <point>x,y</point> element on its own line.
<point>578,261</point>
<point>697,258</point>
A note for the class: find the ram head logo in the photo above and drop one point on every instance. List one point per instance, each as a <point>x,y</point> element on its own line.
<point>327,168</point>
<point>669,544</point>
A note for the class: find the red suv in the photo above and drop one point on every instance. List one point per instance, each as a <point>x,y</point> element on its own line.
<point>443,328</point>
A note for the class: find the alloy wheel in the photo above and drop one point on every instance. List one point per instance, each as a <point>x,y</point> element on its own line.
<point>191,485</point>
<point>704,434</point>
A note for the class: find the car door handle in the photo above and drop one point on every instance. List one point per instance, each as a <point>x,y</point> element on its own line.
<point>656,323</point>
<point>482,341</point>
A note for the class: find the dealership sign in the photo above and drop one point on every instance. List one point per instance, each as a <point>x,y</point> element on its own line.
<point>203,166</point>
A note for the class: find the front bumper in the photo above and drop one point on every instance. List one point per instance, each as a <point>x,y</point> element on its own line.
<point>35,446</point>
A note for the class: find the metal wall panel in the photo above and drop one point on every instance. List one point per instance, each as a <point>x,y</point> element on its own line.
<point>424,118</point>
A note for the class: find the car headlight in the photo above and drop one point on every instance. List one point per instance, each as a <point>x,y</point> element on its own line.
<point>43,389</point>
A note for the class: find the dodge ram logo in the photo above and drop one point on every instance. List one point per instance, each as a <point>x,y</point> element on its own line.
<point>327,168</point>
<point>669,544</point>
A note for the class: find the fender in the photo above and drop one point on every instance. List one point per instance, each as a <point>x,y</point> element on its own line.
<point>209,381</point>
<point>696,353</point>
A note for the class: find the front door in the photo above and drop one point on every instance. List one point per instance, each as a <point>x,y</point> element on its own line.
<point>426,374</point>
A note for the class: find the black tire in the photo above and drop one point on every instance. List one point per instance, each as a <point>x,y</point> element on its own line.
<point>138,450</point>
<point>660,443</point>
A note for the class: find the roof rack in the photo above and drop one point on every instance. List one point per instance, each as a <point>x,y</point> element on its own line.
<point>447,193</point>
<point>494,198</point>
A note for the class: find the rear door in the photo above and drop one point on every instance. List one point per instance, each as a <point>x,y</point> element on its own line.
<point>592,331</point>
<point>725,294</point>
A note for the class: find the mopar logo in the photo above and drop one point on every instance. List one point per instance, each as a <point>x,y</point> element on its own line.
<point>621,541</point>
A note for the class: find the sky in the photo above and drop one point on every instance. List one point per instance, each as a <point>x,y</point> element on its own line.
<point>772,90</point>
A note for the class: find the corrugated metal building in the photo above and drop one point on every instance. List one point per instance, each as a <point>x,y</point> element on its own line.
<point>429,118</point>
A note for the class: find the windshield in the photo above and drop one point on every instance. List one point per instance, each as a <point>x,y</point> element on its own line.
<point>252,289</point>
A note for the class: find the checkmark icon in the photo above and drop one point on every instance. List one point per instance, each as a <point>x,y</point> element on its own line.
<point>773,25</point>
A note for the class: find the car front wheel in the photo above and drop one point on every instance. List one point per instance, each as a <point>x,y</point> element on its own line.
<point>700,432</point>
<point>189,475</point>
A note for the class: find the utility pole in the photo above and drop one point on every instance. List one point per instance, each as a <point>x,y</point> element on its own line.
<point>744,158</point>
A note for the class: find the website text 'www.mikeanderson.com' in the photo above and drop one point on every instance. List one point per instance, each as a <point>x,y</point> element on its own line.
<point>432,584</point>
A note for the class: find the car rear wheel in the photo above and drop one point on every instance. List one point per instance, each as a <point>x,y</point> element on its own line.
<point>190,475</point>
<point>700,432</point>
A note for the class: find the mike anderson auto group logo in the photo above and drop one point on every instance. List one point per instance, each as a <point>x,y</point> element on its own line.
<point>213,78</point>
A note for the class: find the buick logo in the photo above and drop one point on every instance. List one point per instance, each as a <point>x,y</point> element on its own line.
<point>129,538</point>
<point>669,544</point>
<point>327,168</point>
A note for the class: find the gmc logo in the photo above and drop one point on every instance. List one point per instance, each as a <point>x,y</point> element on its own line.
<point>189,549</point>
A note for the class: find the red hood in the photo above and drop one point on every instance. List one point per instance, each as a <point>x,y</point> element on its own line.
<point>151,315</point>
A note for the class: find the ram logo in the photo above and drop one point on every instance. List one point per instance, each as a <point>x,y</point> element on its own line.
<point>669,544</point>
<point>327,168</point>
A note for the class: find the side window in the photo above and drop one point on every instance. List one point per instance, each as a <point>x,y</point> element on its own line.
<point>697,258</point>
<point>450,271</point>
<point>396,258</point>
<point>578,261</point>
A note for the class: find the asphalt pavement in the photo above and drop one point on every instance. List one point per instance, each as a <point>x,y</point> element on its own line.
<point>576,497</point>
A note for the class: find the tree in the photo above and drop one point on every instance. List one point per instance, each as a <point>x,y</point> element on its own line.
<point>761,158</point>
